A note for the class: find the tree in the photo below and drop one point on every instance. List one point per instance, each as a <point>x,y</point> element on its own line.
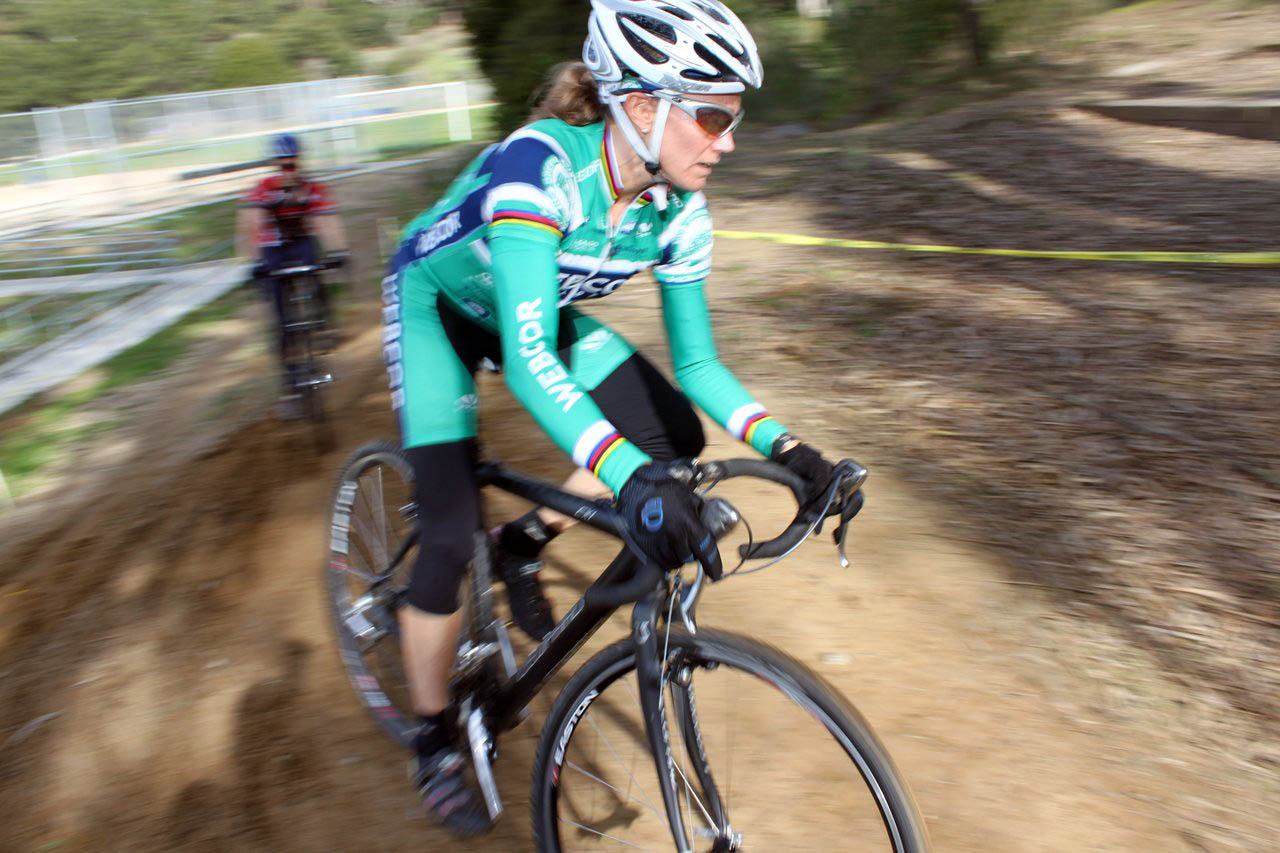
<point>315,34</point>
<point>518,41</point>
<point>365,23</point>
<point>975,32</point>
<point>248,60</point>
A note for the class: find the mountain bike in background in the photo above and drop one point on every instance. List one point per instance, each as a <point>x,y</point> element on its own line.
<point>307,337</point>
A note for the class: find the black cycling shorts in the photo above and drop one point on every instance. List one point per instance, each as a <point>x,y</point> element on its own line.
<point>636,398</point>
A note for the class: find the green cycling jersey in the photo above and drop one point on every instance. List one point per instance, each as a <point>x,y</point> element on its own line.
<point>522,234</point>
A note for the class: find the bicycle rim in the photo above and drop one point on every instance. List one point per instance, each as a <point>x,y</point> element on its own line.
<point>371,518</point>
<point>791,765</point>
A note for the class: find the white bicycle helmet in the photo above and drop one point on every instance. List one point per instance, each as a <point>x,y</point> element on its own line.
<point>692,47</point>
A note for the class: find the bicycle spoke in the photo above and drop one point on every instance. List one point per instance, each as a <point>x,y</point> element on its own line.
<point>574,765</point>
<point>603,834</point>
<point>632,776</point>
<point>363,576</point>
<point>378,555</point>
<point>378,543</point>
<point>689,792</point>
<point>381,506</point>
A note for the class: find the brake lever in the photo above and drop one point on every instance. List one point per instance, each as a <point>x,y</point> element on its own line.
<point>851,508</point>
<point>689,598</point>
<point>853,476</point>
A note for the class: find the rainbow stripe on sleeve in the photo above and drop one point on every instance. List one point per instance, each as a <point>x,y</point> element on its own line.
<point>603,451</point>
<point>744,422</point>
<point>752,423</point>
<point>526,220</point>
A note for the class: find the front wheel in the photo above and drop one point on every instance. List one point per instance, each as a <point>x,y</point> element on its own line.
<point>767,756</point>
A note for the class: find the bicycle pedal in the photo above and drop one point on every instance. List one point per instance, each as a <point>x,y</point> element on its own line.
<point>366,621</point>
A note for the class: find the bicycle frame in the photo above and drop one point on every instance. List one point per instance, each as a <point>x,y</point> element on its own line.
<point>585,617</point>
<point>581,622</point>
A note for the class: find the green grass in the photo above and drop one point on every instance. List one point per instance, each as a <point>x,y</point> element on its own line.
<point>165,347</point>
<point>200,229</point>
<point>47,429</point>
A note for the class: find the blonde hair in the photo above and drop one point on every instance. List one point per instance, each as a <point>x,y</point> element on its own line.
<point>571,95</point>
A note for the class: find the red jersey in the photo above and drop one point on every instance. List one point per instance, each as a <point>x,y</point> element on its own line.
<point>288,208</point>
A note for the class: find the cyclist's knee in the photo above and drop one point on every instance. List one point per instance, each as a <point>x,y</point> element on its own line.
<point>437,574</point>
<point>448,516</point>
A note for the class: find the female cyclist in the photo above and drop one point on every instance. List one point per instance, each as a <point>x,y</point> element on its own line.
<point>604,183</point>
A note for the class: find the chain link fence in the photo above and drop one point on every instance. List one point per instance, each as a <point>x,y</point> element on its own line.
<point>98,157</point>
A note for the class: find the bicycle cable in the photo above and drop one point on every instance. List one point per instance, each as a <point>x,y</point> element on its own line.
<point>833,490</point>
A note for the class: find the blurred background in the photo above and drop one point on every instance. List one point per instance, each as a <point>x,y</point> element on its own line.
<point>1063,616</point>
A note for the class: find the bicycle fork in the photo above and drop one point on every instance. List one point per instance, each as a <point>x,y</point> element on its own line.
<point>651,683</point>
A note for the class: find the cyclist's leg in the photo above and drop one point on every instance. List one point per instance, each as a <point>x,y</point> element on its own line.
<point>434,396</point>
<point>448,515</point>
<point>273,293</point>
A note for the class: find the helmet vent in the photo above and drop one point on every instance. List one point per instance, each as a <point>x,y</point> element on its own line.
<point>712,60</point>
<point>736,54</point>
<point>679,13</point>
<point>648,51</point>
<point>660,29</point>
<point>713,12</point>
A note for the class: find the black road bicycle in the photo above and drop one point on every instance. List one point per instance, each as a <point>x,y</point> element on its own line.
<point>677,736</point>
<point>306,330</point>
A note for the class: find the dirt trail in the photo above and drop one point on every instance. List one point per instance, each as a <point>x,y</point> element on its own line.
<point>175,626</point>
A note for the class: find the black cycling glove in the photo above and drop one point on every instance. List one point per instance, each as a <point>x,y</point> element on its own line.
<point>808,464</point>
<point>663,516</point>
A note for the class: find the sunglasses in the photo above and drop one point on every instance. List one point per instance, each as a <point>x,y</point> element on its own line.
<point>716,121</point>
<point>288,164</point>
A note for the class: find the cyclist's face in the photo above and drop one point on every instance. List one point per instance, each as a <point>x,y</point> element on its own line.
<point>689,153</point>
<point>288,169</point>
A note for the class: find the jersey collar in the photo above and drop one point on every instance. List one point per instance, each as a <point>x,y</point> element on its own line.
<point>656,194</point>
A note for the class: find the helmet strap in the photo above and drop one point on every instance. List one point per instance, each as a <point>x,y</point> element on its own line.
<point>649,152</point>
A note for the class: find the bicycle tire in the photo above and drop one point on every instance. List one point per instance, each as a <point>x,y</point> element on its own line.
<point>398,723</point>
<point>312,397</point>
<point>905,827</point>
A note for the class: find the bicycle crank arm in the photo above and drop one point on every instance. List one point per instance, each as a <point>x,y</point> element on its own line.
<point>481,758</point>
<point>317,382</point>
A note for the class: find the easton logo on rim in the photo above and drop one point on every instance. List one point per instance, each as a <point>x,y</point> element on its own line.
<point>558,758</point>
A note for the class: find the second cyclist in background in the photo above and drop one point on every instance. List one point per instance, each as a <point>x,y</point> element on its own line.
<point>286,220</point>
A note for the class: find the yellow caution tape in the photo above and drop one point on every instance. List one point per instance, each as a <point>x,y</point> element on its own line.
<point>1234,258</point>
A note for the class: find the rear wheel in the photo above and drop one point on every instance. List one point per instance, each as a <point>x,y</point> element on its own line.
<point>372,546</point>
<point>767,756</point>
<point>372,549</point>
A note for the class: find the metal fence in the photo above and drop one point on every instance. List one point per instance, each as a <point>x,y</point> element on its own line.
<point>51,284</point>
<point>102,251</point>
<point>122,153</point>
